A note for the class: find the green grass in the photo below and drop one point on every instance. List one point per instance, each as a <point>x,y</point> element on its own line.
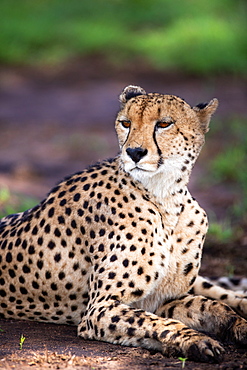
<point>13,203</point>
<point>228,168</point>
<point>205,37</point>
<point>220,232</point>
<point>21,342</point>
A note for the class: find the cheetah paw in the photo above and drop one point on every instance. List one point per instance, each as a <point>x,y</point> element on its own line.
<point>202,349</point>
<point>206,351</point>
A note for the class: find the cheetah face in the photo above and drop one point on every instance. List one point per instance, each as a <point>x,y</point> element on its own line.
<point>160,133</point>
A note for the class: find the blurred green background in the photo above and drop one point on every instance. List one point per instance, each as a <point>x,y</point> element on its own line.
<point>198,37</point>
<point>200,40</point>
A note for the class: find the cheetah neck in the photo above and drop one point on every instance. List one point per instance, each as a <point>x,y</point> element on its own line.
<point>167,185</point>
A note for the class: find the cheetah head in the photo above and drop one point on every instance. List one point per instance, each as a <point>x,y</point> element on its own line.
<point>160,134</point>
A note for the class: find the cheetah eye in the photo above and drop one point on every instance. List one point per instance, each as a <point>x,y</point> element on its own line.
<point>125,123</point>
<point>164,124</point>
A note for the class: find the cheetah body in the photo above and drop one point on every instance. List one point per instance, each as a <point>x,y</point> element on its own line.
<point>70,251</point>
<point>113,247</point>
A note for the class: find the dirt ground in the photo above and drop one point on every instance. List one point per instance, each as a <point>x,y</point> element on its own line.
<point>54,123</point>
<point>52,346</point>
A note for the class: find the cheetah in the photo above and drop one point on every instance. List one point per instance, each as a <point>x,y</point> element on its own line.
<point>116,249</point>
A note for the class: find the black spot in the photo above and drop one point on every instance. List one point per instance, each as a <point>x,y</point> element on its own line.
<point>111,235</point>
<point>53,286</point>
<point>82,229</point>
<point>188,268</point>
<point>111,275</point>
<point>206,285</point>
<point>47,275</point>
<point>148,278</point>
<point>102,232</point>
<point>138,293</point>
<point>77,197</point>
<point>191,224</point>
<point>27,228</point>
<point>86,187</point>
<point>92,234</point>
<point>35,285</point>
<point>61,194</point>
<point>68,232</point>
<point>131,332</point>
<point>31,249</point>
<point>26,269</point>
<point>23,290</point>
<point>51,245</point>
<point>126,262</point>
<point>69,286</point>
<point>61,220</point>
<point>115,319</point>
<point>68,211</point>
<point>140,271</point>
<point>72,188</point>
<point>57,257</point>
<point>101,248</point>
<point>112,327</point>
<point>8,257</point>
<point>223,297</point>
<point>19,257</point>
<point>113,258</point>
<point>18,242</point>
<point>40,264</point>
<point>35,230</point>
<point>192,280</point>
<point>63,243</point>
<point>40,240</point>
<point>51,212</point>
<point>61,275</point>
<point>47,229</point>
<point>80,212</point>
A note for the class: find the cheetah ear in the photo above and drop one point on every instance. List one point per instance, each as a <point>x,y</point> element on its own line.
<point>204,112</point>
<point>130,92</point>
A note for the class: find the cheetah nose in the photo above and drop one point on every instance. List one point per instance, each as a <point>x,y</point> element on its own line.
<point>136,154</point>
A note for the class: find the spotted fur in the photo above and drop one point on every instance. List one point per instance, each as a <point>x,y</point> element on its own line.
<point>116,248</point>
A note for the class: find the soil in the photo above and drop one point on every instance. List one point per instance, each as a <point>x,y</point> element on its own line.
<point>54,122</point>
<point>51,346</point>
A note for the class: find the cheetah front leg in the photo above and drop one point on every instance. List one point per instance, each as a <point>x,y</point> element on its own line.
<point>118,323</point>
<point>233,299</point>
<point>207,315</point>
<point>188,238</point>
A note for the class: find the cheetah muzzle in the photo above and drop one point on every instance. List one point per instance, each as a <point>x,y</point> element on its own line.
<point>116,249</point>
